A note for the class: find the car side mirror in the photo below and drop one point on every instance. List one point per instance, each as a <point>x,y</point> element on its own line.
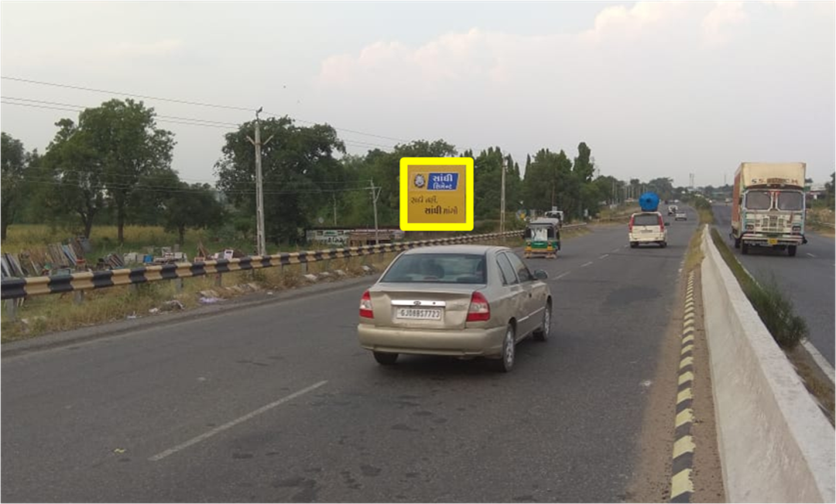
<point>541,275</point>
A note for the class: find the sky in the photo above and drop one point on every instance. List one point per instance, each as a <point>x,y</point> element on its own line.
<point>656,89</point>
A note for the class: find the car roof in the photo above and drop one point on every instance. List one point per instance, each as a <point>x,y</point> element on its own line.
<point>545,220</point>
<point>455,249</point>
<point>646,213</point>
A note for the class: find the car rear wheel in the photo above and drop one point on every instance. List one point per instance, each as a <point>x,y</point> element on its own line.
<point>385,358</point>
<point>792,249</point>
<point>542,334</point>
<point>506,360</point>
<point>663,244</point>
<point>737,243</point>
<point>744,248</point>
<point>633,244</point>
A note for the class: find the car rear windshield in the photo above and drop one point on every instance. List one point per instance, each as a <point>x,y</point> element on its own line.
<point>790,201</point>
<point>646,220</point>
<point>438,268</point>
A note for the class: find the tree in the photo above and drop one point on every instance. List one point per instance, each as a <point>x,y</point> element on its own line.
<point>73,178</point>
<point>192,207</point>
<point>299,174</point>
<point>127,145</point>
<point>829,189</point>
<point>487,182</point>
<point>14,164</point>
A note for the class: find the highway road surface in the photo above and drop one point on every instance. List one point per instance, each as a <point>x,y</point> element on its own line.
<point>279,403</point>
<point>808,279</point>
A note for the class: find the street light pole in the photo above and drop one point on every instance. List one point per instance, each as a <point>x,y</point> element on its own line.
<point>259,187</point>
<point>502,199</point>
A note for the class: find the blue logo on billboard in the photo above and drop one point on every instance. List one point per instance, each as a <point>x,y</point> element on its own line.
<point>443,181</point>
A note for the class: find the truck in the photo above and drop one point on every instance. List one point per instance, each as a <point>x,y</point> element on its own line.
<point>768,206</point>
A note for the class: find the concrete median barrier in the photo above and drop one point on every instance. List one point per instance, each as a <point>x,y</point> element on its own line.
<point>775,444</point>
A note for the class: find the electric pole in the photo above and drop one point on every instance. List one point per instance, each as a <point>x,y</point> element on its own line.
<point>259,186</point>
<point>375,194</point>
<point>335,208</point>
<point>502,198</point>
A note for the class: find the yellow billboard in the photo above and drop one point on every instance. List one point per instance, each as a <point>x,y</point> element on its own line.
<point>436,194</point>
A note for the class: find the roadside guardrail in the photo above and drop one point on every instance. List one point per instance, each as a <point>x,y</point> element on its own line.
<point>775,444</point>
<point>16,288</point>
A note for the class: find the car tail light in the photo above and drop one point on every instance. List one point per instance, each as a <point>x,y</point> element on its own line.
<point>366,310</point>
<point>479,309</point>
<point>661,223</point>
<point>631,223</point>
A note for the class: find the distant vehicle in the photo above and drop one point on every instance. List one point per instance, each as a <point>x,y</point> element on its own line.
<point>672,209</point>
<point>681,216</point>
<point>647,227</point>
<point>555,214</point>
<point>542,238</point>
<point>457,300</point>
<point>768,206</point>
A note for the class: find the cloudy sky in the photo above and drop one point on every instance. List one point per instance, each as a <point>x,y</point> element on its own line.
<point>655,89</point>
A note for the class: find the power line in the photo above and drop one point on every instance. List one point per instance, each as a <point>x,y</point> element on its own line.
<point>185,102</point>
<point>189,121</point>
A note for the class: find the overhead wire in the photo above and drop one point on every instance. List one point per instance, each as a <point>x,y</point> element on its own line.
<point>188,102</point>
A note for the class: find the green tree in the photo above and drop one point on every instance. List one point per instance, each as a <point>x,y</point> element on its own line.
<point>192,207</point>
<point>15,161</point>
<point>127,145</point>
<point>72,179</point>
<point>299,174</point>
<point>487,183</point>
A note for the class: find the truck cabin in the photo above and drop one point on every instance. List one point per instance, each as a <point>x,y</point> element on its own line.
<point>774,199</point>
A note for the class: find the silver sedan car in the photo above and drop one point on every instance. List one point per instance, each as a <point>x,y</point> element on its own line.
<point>456,300</point>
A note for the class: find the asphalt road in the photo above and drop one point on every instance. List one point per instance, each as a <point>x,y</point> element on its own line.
<point>199,410</point>
<point>808,279</point>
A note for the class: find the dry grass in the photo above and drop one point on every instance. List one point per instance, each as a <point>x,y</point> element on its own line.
<point>694,256</point>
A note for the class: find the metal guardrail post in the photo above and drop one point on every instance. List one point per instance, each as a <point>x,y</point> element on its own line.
<point>178,284</point>
<point>11,309</point>
<point>78,298</point>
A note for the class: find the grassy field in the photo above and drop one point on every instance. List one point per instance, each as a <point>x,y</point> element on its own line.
<point>822,220</point>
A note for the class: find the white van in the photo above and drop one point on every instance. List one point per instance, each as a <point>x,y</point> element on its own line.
<point>648,227</point>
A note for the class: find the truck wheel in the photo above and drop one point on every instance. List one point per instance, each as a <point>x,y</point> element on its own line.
<point>744,248</point>
<point>792,249</point>
<point>737,243</point>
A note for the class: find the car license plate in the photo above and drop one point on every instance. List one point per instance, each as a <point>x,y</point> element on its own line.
<point>419,313</point>
<point>773,241</point>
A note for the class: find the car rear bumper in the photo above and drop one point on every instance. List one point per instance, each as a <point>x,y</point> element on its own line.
<point>648,238</point>
<point>466,342</point>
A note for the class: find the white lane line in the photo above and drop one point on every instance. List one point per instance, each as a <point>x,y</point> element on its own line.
<point>811,255</point>
<point>585,265</point>
<point>819,359</point>
<point>616,250</point>
<point>603,256</point>
<point>558,277</point>
<point>229,425</point>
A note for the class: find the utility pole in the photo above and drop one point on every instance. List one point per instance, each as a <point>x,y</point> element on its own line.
<point>335,208</point>
<point>375,194</point>
<point>502,198</point>
<point>259,186</point>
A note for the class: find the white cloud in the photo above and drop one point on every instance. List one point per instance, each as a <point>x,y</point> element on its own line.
<point>719,24</point>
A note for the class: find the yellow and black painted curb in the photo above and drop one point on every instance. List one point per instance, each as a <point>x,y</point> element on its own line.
<point>682,485</point>
<point>35,286</point>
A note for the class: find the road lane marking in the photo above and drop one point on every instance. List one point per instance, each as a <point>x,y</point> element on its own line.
<point>811,255</point>
<point>603,256</point>
<point>558,277</point>
<point>616,250</point>
<point>585,265</point>
<point>233,423</point>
